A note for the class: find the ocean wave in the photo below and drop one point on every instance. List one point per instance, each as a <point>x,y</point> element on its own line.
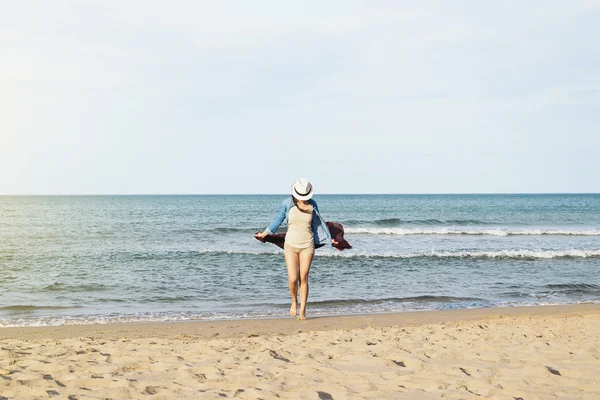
<point>418,303</point>
<point>222,230</point>
<point>379,301</point>
<point>572,286</point>
<point>58,286</point>
<point>393,222</point>
<point>30,308</point>
<point>554,290</point>
<point>411,299</point>
<point>499,254</point>
<point>254,253</point>
<point>473,231</point>
<point>521,254</point>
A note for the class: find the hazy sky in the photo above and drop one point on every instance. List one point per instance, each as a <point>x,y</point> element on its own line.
<point>246,96</point>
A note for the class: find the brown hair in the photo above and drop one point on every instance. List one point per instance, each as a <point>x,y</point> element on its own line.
<point>295,200</point>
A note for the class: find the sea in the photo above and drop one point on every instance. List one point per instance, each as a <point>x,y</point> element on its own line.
<point>114,259</point>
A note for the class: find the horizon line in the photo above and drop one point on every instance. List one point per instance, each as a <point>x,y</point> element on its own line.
<point>287,194</point>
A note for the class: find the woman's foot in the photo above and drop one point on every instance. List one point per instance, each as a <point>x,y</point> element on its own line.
<point>302,315</point>
<point>293,308</point>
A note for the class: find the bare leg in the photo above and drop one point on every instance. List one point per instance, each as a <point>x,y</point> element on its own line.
<point>305,262</point>
<point>291,262</point>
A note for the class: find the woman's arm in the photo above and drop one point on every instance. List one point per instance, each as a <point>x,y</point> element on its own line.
<point>277,221</point>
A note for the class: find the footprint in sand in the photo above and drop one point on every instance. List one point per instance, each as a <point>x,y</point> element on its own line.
<point>325,396</point>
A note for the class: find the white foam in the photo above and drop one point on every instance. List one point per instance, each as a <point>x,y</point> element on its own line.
<point>123,319</point>
<point>354,253</point>
<point>473,231</point>
<point>516,254</point>
<point>185,317</point>
<point>255,253</point>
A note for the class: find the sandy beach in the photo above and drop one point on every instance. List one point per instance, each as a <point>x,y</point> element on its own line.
<point>500,353</point>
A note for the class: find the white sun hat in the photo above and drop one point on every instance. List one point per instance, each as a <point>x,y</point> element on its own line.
<point>302,189</point>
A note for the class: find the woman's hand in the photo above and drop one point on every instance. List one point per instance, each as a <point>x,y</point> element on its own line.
<point>334,242</point>
<point>261,235</point>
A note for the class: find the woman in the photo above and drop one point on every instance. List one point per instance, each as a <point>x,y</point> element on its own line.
<point>306,229</point>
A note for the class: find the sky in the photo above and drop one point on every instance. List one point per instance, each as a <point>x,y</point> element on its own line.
<point>189,97</point>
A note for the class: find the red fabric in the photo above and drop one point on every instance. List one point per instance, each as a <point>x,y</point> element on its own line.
<point>336,229</point>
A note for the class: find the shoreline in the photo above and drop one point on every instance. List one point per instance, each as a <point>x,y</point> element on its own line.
<point>207,329</point>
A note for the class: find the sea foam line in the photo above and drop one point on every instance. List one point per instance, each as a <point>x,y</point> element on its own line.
<point>498,254</point>
<point>240,315</point>
<point>473,231</point>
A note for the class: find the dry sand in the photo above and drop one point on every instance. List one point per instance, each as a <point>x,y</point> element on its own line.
<point>504,353</point>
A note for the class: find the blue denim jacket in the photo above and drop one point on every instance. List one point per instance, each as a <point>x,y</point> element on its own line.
<point>319,227</point>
